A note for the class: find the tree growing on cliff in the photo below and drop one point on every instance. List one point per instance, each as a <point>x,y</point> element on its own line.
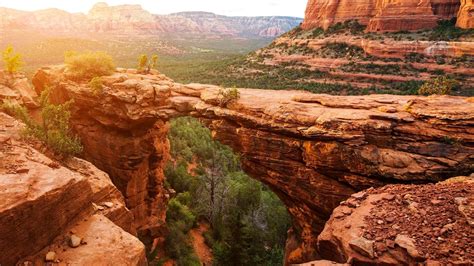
<point>146,65</point>
<point>440,86</point>
<point>12,60</point>
<point>88,65</point>
<point>53,130</point>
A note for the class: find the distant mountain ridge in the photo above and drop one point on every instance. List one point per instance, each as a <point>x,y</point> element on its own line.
<point>133,19</point>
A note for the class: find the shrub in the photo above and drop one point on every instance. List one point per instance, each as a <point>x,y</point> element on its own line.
<point>97,85</point>
<point>228,95</point>
<point>54,129</point>
<point>447,30</point>
<point>145,65</point>
<point>89,64</point>
<point>440,85</point>
<point>12,60</point>
<point>178,246</point>
<point>180,212</point>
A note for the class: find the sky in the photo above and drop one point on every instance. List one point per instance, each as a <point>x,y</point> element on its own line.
<point>224,7</point>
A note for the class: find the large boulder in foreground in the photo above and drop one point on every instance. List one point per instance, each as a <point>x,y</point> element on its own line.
<point>43,198</point>
<point>404,224</point>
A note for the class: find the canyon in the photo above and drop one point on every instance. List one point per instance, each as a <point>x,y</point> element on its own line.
<point>313,151</point>
<point>372,179</point>
<point>131,20</point>
<point>386,16</point>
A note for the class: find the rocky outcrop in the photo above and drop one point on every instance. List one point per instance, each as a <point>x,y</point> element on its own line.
<point>15,88</point>
<point>402,225</point>
<point>314,151</point>
<point>44,199</point>
<point>381,15</point>
<point>466,15</point>
<point>134,20</point>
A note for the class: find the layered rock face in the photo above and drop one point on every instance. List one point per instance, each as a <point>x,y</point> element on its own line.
<point>46,201</point>
<point>404,224</point>
<point>324,13</point>
<point>314,151</point>
<point>403,15</point>
<point>382,15</point>
<point>466,15</point>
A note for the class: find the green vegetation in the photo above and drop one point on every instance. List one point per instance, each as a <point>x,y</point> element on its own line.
<point>347,27</point>
<point>180,220</point>
<point>352,26</point>
<point>341,50</point>
<point>440,85</point>
<point>88,65</point>
<point>145,65</point>
<point>248,222</point>
<point>54,128</point>
<point>97,85</point>
<point>447,31</point>
<point>12,60</point>
<point>228,95</point>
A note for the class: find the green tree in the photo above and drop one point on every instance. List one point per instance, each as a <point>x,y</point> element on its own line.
<point>54,130</point>
<point>143,62</point>
<point>146,65</point>
<point>248,221</point>
<point>12,60</point>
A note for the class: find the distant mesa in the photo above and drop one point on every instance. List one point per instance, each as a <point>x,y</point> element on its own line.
<point>134,20</point>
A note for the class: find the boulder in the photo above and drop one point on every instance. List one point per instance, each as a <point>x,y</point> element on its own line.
<point>403,237</point>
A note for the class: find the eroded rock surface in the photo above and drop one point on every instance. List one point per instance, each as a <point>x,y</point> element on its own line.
<point>404,224</point>
<point>15,88</point>
<point>43,198</point>
<point>466,15</point>
<point>385,15</point>
<point>314,151</point>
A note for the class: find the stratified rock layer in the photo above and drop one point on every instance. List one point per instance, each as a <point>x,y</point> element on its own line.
<point>312,150</point>
<point>42,199</point>
<point>383,15</point>
<point>404,225</point>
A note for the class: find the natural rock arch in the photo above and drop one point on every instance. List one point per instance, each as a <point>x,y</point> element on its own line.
<point>312,150</point>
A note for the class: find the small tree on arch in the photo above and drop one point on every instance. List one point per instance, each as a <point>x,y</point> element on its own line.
<point>12,60</point>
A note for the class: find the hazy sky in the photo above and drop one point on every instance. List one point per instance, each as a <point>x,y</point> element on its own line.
<point>224,7</point>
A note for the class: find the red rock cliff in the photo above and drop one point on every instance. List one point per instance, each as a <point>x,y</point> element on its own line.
<point>382,15</point>
<point>466,15</point>
<point>314,151</point>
